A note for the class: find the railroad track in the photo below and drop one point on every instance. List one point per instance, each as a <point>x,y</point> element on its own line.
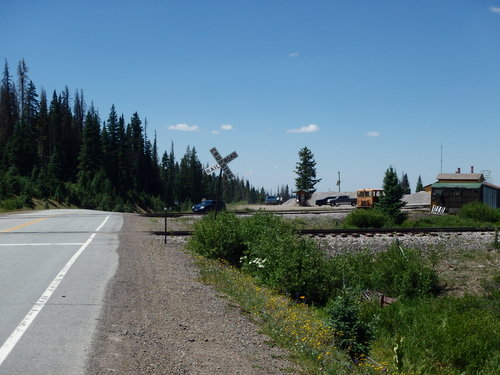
<point>361,232</point>
<point>248,213</point>
<point>305,211</point>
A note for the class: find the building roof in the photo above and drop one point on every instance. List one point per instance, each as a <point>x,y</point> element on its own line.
<point>461,176</point>
<point>491,185</point>
<point>452,185</point>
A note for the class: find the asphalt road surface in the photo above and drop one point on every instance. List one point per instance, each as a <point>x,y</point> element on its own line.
<point>54,266</point>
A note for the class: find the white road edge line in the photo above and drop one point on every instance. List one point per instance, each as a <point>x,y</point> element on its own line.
<point>43,244</point>
<point>15,336</point>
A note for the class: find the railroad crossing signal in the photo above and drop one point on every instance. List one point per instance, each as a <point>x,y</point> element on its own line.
<point>221,163</point>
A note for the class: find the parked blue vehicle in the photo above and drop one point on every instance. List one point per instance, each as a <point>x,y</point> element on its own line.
<point>271,199</point>
<point>208,205</point>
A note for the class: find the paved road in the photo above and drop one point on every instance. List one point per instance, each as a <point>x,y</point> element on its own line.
<point>54,266</point>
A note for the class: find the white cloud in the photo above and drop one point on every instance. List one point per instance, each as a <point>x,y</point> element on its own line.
<point>495,9</point>
<point>184,127</point>
<point>311,128</point>
<point>223,127</point>
<point>293,54</point>
<point>373,134</point>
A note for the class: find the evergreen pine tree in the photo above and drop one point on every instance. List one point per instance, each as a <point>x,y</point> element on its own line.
<point>155,188</point>
<point>55,141</point>
<point>78,114</point>
<point>136,151</point>
<point>405,184</point>
<point>306,171</point>
<point>149,169</point>
<point>173,178</point>
<point>122,160</point>
<point>90,156</point>
<point>391,203</point>
<point>196,177</point>
<point>22,75</point>
<point>111,143</point>
<point>184,191</point>
<point>42,131</point>
<point>21,150</point>
<point>70,139</point>
<point>419,187</point>
<point>8,107</point>
<point>21,146</point>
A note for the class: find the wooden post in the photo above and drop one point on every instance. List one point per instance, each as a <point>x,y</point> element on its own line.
<point>218,194</point>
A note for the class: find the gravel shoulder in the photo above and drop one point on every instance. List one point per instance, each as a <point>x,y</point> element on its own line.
<point>159,319</point>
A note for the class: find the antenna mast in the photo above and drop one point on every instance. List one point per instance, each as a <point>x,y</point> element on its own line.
<point>441,158</point>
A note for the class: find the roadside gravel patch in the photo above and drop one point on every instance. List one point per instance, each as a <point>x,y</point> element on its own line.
<point>159,319</point>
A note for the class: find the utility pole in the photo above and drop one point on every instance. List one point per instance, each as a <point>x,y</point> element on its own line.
<point>338,182</point>
<point>165,209</point>
<point>441,158</point>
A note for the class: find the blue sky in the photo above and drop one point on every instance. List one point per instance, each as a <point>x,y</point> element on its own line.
<point>364,84</point>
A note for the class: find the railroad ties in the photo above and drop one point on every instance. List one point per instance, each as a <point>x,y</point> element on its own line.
<point>355,233</point>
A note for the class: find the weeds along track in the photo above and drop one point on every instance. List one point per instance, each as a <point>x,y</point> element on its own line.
<point>392,232</point>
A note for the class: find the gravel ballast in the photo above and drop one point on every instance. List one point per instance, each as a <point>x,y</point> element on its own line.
<point>440,242</point>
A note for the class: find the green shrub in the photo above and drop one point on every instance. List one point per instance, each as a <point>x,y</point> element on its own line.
<point>496,242</point>
<point>480,211</point>
<point>186,206</point>
<point>445,221</point>
<point>266,227</point>
<point>352,270</point>
<point>403,272</point>
<point>394,272</point>
<point>366,218</point>
<point>352,334</point>
<point>445,335</point>
<point>282,260</point>
<point>218,238</point>
<point>12,204</point>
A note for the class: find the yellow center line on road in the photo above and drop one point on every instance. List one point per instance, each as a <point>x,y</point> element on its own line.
<point>23,225</point>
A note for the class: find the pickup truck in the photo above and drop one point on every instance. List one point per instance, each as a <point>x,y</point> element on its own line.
<point>321,202</point>
<point>342,199</point>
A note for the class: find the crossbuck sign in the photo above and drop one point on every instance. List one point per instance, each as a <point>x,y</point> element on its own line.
<point>221,163</point>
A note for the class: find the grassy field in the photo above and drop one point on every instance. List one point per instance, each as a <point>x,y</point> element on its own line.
<point>326,312</point>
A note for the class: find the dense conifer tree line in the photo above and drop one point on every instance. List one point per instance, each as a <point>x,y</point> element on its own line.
<point>58,148</point>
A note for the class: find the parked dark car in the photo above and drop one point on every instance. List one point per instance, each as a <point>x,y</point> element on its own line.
<point>208,205</point>
<point>342,199</point>
<point>271,199</point>
<point>324,201</point>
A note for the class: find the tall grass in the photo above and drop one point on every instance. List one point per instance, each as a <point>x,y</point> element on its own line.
<point>366,218</point>
<point>433,335</point>
<point>297,327</point>
<point>475,214</point>
<point>218,239</point>
<point>396,272</point>
<point>445,335</point>
<point>480,212</point>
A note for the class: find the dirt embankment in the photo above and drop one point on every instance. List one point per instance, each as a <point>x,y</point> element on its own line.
<point>159,319</point>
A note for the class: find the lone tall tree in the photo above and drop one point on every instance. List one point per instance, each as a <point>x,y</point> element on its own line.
<point>306,171</point>
<point>419,187</point>
<point>405,184</point>
<point>391,202</point>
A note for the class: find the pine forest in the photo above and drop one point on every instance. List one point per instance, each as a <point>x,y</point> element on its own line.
<point>59,149</point>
